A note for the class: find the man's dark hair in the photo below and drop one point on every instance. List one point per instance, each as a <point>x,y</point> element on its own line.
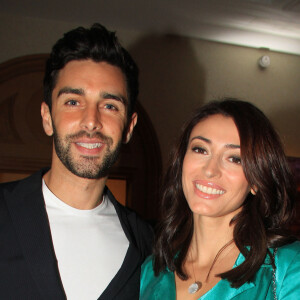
<point>97,44</point>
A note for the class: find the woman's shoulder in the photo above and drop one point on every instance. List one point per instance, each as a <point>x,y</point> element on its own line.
<point>289,251</point>
<point>287,263</point>
<point>148,264</point>
<point>147,271</point>
<point>288,256</point>
<point>161,286</point>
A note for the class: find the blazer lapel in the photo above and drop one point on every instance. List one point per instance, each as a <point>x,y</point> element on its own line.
<point>122,277</point>
<point>133,258</point>
<point>28,213</point>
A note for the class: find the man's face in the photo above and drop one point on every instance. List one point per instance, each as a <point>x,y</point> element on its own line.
<point>88,118</point>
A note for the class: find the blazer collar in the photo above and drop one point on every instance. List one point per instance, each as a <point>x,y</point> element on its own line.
<point>27,209</point>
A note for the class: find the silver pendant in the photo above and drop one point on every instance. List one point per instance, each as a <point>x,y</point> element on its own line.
<point>195,287</point>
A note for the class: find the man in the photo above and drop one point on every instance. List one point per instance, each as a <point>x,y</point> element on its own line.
<point>62,233</point>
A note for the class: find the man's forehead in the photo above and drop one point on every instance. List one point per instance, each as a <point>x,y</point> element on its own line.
<point>102,71</point>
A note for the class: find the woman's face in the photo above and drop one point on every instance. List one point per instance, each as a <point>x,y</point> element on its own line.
<point>213,179</point>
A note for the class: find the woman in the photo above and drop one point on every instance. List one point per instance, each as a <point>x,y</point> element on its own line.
<point>227,200</point>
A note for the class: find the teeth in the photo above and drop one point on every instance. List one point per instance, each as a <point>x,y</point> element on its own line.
<point>89,145</point>
<point>209,190</point>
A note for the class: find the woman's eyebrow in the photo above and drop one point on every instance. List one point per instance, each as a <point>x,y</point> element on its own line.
<point>208,141</point>
<point>232,146</point>
<point>199,137</point>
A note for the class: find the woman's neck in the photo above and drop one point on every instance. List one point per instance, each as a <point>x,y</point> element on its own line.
<point>212,251</point>
<point>210,235</point>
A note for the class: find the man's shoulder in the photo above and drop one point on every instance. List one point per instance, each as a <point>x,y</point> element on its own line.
<point>134,219</point>
<point>125,211</point>
<point>11,185</point>
<point>27,184</point>
<point>136,228</point>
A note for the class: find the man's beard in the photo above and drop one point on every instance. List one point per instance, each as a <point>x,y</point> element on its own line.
<point>87,167</point>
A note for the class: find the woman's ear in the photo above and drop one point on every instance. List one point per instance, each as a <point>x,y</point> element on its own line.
<point>253,190</point>
<point>46,118</point>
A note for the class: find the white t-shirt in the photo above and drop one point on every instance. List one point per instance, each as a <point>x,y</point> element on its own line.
<point>90,245</point>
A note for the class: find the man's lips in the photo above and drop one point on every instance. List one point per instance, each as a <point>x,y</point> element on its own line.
<point>87,138</point>
<point>90,145</point>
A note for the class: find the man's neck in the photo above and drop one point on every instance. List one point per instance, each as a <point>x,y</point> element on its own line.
<point>80,193</point>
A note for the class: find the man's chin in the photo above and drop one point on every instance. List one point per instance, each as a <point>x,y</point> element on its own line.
<point>92,175</point>
<point>89,167</point>
<point>89,173</point>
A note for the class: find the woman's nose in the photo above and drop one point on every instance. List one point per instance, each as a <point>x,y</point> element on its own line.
<point>212,167</point>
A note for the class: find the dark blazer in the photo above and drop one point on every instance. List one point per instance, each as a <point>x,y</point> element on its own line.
<point>28,265</point>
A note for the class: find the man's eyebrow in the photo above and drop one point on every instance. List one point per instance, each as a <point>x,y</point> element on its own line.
<point>69,90</point>
<point>229,146</point>
<point>106,95</point>
<point>80,92</point>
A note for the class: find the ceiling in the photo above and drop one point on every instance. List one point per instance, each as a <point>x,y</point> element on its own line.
<point>273,24</point>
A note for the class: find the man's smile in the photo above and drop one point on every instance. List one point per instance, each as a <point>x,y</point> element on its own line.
<point>90,145</point>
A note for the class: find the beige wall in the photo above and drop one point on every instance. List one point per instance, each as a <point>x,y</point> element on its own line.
<point>179,74</point>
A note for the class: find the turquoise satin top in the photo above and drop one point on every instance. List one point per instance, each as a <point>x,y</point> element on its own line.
<point>287,262</point>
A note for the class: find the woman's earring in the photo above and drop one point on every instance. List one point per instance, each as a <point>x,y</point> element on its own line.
<point>253,192</point>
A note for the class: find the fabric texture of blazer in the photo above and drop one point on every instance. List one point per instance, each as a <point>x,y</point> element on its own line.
<point>287,262</point>
<point>28,265</point>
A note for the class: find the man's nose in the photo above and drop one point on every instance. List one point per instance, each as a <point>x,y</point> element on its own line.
<point>91,119</point>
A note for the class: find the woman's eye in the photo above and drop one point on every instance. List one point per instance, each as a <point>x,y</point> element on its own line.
<point>72,102</point>
<point>199,150</point>
<point>235,160</point>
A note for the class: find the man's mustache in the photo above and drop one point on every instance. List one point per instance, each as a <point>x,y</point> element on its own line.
<point>99,135</point>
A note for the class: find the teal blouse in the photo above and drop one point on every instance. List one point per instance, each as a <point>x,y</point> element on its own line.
<point>287,262</point>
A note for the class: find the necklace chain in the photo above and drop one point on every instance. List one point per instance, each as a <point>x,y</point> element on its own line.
<point>196,286</point>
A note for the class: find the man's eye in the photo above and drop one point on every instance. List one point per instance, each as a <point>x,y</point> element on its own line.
<point>110,106</point>
<point>235,160</point>
<point>72,102</point>
<point>199,150</point>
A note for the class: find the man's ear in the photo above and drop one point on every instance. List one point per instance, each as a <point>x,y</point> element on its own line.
<point>46,118</point>
<point>130,127</point>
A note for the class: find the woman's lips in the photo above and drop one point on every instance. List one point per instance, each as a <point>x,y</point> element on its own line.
<point>208,190</point>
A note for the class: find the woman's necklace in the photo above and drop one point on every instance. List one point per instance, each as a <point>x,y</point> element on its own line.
<point>197,285</point>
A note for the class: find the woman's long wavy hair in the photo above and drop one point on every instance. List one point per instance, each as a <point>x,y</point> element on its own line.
<point>262,222</point>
